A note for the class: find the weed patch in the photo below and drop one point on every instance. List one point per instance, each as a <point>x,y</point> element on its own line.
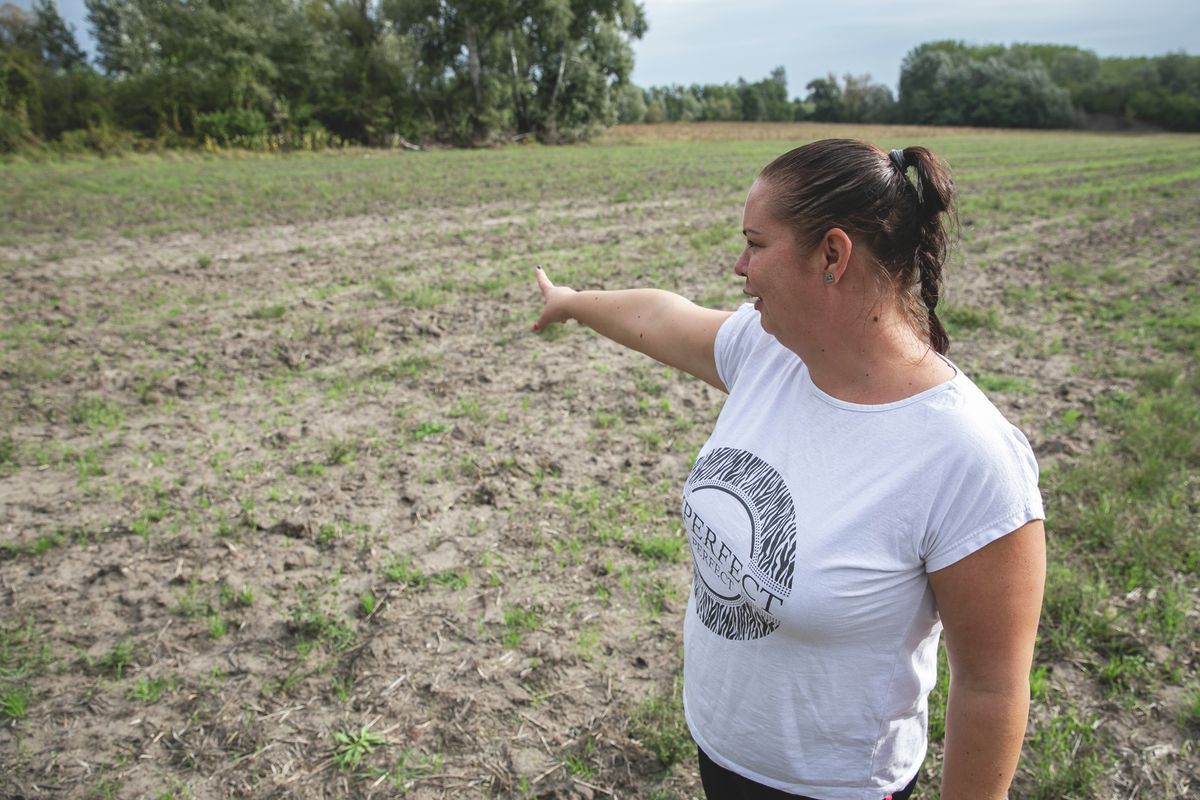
<point>658,723</point>
<point>351,746</point>
<point>518,622</point>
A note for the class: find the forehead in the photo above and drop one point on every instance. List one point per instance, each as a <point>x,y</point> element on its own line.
<point>757,213</point>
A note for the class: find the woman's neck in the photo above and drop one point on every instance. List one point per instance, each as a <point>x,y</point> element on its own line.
<point>873,360</point>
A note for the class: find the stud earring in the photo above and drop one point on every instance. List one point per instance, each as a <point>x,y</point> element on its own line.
<point>827,277</point>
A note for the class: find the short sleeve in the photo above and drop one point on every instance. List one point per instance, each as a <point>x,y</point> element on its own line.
<point>735,340</point>
<point>990,491</point>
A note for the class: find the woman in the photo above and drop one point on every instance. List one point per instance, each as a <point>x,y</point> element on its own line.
<point>857,495</point>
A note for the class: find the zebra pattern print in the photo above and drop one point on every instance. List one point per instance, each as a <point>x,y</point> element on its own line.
<point>773,539</point>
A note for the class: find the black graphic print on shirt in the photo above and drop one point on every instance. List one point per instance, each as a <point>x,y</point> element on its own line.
<point>740,522</point>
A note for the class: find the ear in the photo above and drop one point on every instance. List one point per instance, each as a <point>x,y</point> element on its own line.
<point>835,249</point>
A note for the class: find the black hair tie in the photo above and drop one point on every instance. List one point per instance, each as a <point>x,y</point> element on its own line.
<point>898,159</point>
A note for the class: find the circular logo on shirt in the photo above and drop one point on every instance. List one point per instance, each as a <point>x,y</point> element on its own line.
<point>741,524</point>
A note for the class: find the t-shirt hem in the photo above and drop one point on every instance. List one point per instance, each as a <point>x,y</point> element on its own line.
<point>823,792</point>
<point>985,536</point>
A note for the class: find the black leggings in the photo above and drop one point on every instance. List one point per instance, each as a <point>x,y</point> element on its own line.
<point>722,784</point>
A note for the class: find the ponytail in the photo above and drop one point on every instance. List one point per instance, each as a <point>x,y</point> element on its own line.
<point>935,193</point>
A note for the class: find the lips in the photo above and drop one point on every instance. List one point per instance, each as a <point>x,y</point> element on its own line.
<point>757,300</point>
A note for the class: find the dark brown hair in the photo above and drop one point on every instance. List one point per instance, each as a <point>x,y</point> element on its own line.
<point>855,186</point>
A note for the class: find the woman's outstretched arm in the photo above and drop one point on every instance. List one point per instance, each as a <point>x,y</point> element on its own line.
<point>664,326</point>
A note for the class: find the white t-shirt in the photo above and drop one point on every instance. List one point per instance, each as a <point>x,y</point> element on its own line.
<point>811,634</point>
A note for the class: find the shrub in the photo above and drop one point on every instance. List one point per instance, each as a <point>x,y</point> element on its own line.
<point>227,127</point>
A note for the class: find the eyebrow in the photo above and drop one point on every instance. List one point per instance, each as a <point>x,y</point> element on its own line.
<point>749,230</point>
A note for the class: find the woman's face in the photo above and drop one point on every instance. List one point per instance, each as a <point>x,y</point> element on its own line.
<point>785,282</point>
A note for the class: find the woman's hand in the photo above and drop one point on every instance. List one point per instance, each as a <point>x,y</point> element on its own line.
<point>662,325</point>
<point>555,298</point>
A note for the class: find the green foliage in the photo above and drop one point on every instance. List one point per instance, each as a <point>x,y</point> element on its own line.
<point>991,382</point>
<point>1039,86</point>
<point>273,311</point>
<point>1190,718</point>
<point>14,703</point>
<point>22,657</point>
<point>519,621</point>
<point>951,83</point>
<point>280,74</point>
<point>118,658</point>
<point>148,690</point>
<point>852,99</point>
<point>316,620</point>
<point>658,724</point>
<point>764,100</point>
<point>410,766</point>
<point>428,428</point>
<point>659,548</point>
<point>1126,500</point>
<point>579,762</point>
<point>1064,757</point>
<point>42,544</point>
<point>352,746</point>
<point>8,452</point>
<point>96,413</point>
<point>368,603</point>
<point>275,74</point>
<point>939,696</point>
<point>957,319</point>
<point>402,570</point>
<point>232,126</point>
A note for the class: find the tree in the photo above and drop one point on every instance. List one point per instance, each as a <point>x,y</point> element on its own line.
<point>47,87</point>
<point>630,104</point>
<point>53,41</point>
<point>173,61</point>
<point>853,99</point>
<point>950,83</point>
<point>825,98</point>
<point>865,101</point>
<point>548,67</point>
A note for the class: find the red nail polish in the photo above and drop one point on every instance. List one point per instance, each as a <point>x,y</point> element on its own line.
<point>536,328</point>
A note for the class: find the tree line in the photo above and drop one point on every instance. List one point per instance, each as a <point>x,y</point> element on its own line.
<point>310,73</point>
<point>953,83</point>
<point>313,72</point>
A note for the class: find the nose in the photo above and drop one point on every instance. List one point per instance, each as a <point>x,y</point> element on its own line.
<point>739,268</point>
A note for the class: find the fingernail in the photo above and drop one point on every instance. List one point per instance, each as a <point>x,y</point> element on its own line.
<point>536,327</point>
<point>539,266</point>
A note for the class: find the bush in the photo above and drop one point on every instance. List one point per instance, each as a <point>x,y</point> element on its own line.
<point>231,126</point>
<point>14,133</point>
<point>103,139</point>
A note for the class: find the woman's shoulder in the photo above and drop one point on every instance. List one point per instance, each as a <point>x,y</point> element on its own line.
<point>967,421</point>
<point>741,340</point>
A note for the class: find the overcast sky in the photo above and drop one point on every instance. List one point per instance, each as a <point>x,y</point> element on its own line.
<point>718,41</point>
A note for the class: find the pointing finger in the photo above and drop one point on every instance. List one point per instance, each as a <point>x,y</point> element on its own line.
<point>543,281</point>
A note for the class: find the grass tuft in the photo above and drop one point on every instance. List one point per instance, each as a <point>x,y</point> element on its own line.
<point>518,622</point>
<point>658,723</point>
